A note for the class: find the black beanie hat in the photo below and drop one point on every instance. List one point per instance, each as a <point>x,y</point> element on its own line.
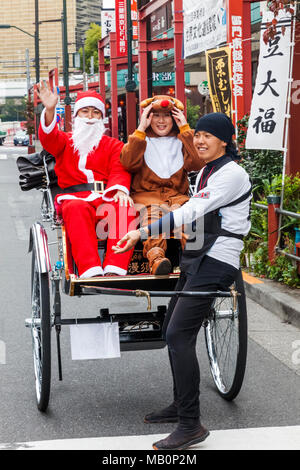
<point>219,125</point>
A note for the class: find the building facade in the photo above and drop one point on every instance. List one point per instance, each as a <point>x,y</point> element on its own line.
<point>87,12</point>
<point>21,14</point>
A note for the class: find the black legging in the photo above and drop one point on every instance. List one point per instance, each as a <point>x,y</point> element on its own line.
<point>183,321</point>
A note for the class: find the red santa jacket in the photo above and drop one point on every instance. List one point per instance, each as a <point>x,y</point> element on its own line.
<point>102,164</point>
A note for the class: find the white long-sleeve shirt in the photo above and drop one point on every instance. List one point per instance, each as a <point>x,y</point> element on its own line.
<point>224,186</point>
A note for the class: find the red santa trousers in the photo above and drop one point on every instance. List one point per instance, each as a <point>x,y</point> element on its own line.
<point>86,222</point>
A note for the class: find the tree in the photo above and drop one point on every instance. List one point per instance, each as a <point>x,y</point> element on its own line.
<point>13,110</point>
<point>275,6</point>
<point>93,35</point>
<point>29,114</point>
<point>192,113</point>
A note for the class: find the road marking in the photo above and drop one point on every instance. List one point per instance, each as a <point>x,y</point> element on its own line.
<point>3,156</point>
<point>270,438</point>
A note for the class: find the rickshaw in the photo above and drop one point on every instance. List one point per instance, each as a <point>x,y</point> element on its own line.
<point>225,326</point>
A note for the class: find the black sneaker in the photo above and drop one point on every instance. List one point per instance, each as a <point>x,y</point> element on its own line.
<point>167,415</point>
<point>180,440</point>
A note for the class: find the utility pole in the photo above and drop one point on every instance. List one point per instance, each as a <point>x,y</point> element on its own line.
<point>85,82</point>
<point>27,69</point>
<point>66,69</point>
<point>37,46</point>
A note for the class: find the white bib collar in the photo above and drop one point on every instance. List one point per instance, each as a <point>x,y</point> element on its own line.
<point>163,155</point>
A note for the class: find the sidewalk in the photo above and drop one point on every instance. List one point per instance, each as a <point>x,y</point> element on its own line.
<point>275,297</point>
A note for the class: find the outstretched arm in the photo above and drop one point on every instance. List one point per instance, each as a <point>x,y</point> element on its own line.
<point>133,152</point>
<point>49,99</point>
<point>192,161</point>
<point>51,138</point>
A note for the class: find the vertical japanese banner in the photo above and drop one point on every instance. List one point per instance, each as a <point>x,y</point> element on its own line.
<point>134,17</point>
<point>107,26</point>
<point>235,36</point>
<point>268,108</point>
<point>121,33</point>
<point>218,68</point>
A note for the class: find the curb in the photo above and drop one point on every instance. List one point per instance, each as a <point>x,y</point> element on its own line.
<point>276,298</point>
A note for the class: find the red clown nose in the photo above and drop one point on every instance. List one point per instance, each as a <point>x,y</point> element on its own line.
<point>164,103</point>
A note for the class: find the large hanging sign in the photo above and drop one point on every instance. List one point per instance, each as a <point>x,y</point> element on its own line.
<point>204,25</point>
<point>121,32</point>
<point>218,68</point>
<point>160,20</point>
<point>134,19</point>
<point>268,109</point>
<point>108,25</point>
<point>235,35</point>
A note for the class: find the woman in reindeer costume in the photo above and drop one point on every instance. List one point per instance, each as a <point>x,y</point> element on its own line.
<point>159,154</point>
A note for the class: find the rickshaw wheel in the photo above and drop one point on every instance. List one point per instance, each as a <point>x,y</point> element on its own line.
<point>226,342</point>
<point>41,333</point>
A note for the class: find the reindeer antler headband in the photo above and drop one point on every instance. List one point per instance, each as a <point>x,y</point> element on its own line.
<point>162,103</point>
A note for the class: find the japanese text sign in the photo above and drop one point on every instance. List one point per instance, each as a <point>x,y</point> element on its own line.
<point>218,69</point>
<point>235,36</point>
<point>108,25</point>
<point>204,25</point>
<point>121,30</point>
<point>268,109</point>
<point>134,19</point>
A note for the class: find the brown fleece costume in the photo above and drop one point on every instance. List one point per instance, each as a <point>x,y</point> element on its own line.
<point>159,194</point>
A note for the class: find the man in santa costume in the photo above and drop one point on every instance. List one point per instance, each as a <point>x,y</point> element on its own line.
<point>82,157</point>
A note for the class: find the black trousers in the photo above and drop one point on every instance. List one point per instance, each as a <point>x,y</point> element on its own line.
<point>182,323</point>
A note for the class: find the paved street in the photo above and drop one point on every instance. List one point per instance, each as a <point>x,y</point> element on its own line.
<point>107,399</point>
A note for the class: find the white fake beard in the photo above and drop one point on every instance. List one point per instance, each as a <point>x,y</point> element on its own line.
<point>86,137</point>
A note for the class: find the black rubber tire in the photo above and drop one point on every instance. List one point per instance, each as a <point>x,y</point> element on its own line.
<point>230,392</point>
<point>40,290</point>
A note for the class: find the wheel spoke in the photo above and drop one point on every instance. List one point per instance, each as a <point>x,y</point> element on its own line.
<point>40,333</point>
<point>223,336</point>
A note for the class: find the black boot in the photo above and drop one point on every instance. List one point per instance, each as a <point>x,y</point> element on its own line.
<point>189,432</point>
<point>166,415</point>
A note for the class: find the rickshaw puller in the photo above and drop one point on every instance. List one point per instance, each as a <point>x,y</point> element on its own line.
<point>223,195</point>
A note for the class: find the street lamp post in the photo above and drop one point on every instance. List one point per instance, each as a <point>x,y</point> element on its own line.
<point>66,69</point>
<point>8,26</point>
<point>36,38</point>
<point>36,41</point>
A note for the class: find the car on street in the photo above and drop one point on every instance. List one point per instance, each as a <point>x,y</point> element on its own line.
<point>2,137</point>
<point>21,138</point>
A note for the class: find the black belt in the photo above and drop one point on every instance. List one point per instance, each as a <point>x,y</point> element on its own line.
<point>78,188</point>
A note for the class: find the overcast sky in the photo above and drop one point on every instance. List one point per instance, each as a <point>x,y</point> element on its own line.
<point>108,3</point>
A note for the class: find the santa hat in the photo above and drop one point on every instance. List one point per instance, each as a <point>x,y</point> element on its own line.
<point>89,98</point>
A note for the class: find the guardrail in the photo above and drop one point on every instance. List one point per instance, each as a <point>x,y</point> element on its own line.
<point>273,208</point>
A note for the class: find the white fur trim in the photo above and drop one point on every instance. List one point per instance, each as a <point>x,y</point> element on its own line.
<point>95,271</point>
<point>90,197</point>
<point>82,167</point>
<point>114,269</point>
<point>163,155</point>
<point>89,101</point>
<point>114,188</point>
<point>47,129</point>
